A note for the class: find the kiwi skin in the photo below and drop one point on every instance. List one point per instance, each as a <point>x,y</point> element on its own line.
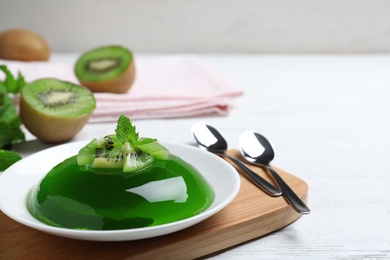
<point>23,45</point>
<point>48,128</point>
<point>120,80</point>
<point>118,85</point>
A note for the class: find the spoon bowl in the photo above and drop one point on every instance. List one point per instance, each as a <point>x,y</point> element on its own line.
<point>210,139</point>
<point>258,150</point>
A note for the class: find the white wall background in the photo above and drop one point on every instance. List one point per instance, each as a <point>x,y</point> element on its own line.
<point>240,26</point>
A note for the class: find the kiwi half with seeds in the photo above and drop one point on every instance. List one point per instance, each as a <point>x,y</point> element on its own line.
<point>106,69</point>
<point>55,110</point>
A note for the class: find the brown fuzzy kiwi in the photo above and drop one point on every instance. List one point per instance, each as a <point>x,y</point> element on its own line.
<point>23,45</point>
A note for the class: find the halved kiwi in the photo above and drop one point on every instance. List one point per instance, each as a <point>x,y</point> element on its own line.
<point>106,69</point>
<point>55,110</point>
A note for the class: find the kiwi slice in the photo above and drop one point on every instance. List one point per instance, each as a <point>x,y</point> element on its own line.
<point>121,150</point>
<point>107,152</point>
<point>106,69</point>
<point>55,110</point>
<point>134,158</point>
<point>103,152</point>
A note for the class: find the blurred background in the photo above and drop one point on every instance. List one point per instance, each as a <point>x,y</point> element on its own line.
<point>206,26</point>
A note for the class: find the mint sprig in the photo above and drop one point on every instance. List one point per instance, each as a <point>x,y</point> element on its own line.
<point>7,158</point>
<point>10,122</point>
<point>125,130</point>
<point>126,133</point>
<point>12,84</point>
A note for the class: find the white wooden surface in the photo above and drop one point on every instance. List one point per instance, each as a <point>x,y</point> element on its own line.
<point>183,26</point>
<point>329,120</point>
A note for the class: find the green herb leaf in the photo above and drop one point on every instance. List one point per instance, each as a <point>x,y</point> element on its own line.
<point>10,133</point>
<point>7,108</point>
<point>10,123</point>
<point>125,130</point>
<point>11,84</point>
<point>20,82</point>
<point>7,158</point>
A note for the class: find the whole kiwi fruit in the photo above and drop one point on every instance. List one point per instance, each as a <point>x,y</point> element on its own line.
<point>23,45</point>
<point>54,110</point>
<point>106,69</point>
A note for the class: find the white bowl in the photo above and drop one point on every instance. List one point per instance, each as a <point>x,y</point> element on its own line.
<point>17,181</point>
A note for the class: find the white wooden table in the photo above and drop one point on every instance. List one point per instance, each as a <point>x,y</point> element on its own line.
<point>329,120</point>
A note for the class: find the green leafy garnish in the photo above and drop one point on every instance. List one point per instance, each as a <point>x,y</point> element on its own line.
<point>10,122</point>
<point>125,131</point>
<point>8,158</point>
<point>12,85</point>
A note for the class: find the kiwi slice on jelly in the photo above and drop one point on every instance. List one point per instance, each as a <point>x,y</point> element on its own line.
<point>110,152</point>
<point>123,150</point>
<point>103,152</point>
<point>106,69</point>
<point>55,110</point>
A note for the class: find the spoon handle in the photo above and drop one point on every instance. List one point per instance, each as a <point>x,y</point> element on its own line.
<point>298,205</point>
<point>257,179</point>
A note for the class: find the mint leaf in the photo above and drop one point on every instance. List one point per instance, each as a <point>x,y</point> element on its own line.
<point>125,131</point>
<point>7,158</point>
<point>10,122</point>
<point>11,84</point>
<point>20,82</point>
<point>7,108</point>
<point>10,133</point>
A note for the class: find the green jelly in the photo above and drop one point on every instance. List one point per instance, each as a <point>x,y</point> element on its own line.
<point>77,197</point>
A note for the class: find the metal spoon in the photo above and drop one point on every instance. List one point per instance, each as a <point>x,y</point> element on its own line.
<point>258,150</point>
<point>210,139</point>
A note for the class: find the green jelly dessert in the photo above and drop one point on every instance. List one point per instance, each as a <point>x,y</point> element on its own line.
<point>166,191</point>
<point>90,194</point>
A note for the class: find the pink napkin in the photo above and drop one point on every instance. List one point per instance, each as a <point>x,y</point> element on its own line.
<point>164,88</point>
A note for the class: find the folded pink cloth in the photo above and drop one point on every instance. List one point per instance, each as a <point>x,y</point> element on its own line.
<point>164,88</point>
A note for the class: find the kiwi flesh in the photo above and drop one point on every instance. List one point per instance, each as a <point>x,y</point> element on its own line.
<point>124,149</point>
<point>106,69</point>
<point>108,152</point>
<point>54,110</point>
<point>103,152</point>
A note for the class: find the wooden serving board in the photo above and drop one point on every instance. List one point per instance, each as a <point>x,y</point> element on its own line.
<point>250,215</point>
